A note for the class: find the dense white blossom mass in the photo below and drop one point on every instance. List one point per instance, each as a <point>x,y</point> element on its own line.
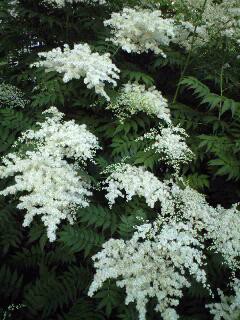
<point>11,97</point>
<point>170,144</point>
<point>187,35</point>
<point>141,30</point>
<point>217,19</point>
<point>49,186</point>
<point>224,230</point>
<point>54,190</point>
<point>155,262</point>
<point>208,222</point>
<point>152,263</point>
<point>81,62</point>
<point>134,98</point>
<point>182,205</point>
<point>63,138</point>
<point>134,181</point>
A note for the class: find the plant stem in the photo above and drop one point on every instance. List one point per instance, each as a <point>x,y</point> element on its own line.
<point>116,51</point>
<point>189,54</point>
<point>67,26</point>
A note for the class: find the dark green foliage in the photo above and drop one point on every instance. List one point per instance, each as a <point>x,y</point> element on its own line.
<point>212,100</point>
<point>216,127</point>
<point>12,122</point>
<point>51,292</point>
<point>11,282</point>
<point>80,238</point>
<point>98,217</point>
<point>10,234</point>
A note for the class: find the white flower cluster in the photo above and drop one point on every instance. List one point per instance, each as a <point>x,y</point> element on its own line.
<point>11,97</point>
<point>229,307</point>
<point>220,15</point>
<point>170,144</point>
<point>180,205</point>
<point>51,187</point>
<point>187,205</point>
<point>134,181</point>
<point>80,62</point>
<point>54,190</point>
<point>224,230</point>
<point>155,262</point>
<point>65,139</point>
<point>141,30</point>
<point>134,98</point>
<point>208,222</point>
<point>218,19</point>
<point>184,32</point>
<point>62,3</point>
